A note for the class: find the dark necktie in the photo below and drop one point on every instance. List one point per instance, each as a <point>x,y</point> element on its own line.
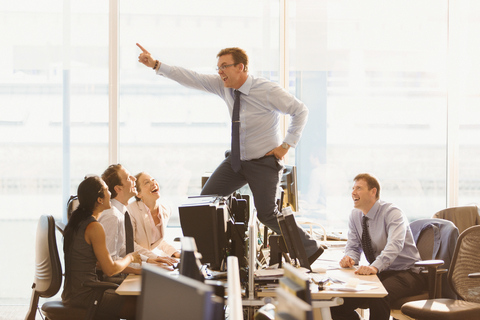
<point>235,149</point>
<point>367,241</point>
<point>128,233</point>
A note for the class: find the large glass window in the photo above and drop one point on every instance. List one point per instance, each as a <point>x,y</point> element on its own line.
<point>468,93</point>
<point>53,123</point>
<point>374,77</point>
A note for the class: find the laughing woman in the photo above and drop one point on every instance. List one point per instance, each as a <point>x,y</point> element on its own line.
<point>150,218</point>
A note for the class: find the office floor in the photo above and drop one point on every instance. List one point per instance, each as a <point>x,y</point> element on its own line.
<point>15,313</point>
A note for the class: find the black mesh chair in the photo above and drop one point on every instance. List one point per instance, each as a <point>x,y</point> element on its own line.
<point>48,279</point>
<point>463,278</point>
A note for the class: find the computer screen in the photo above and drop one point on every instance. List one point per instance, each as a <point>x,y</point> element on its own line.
<point>205,220</point>
<point>291,235</point>
<point>289,185</point>
<point>190,265</point>
<point>174,297</point>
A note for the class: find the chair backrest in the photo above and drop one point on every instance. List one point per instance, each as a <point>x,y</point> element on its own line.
<point>48,270</point>
<point>436,240</point>
<point>463,217</point>
<point>466,260</point>
<point>425,244</point>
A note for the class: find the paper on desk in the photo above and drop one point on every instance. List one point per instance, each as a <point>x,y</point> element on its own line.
<point>342,287</point>
<point>269,273</point>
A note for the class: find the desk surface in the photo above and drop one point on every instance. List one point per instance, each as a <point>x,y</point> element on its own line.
<point>131,286</point>
<point>344,274</point>
<point>133,283</point>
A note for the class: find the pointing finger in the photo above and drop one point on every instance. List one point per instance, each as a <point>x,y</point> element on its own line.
<point>142,48</point>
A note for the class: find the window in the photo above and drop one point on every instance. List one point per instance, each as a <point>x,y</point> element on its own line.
<point>373,75</point>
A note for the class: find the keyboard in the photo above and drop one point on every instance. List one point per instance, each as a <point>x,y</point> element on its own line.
<point>318,277</point>
<point>336,236</point>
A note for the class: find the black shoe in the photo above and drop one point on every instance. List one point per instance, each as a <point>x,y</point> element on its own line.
<point>315,256</point>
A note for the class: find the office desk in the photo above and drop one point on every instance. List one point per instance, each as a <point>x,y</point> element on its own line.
<point>323,300</point>
<point>131,286</point>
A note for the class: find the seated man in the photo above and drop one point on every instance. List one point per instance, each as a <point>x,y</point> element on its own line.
<point>382,232</point>
<point>117,224</point>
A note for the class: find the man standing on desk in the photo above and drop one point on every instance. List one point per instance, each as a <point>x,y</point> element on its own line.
<point>257,150</point>
<point>382,232</point>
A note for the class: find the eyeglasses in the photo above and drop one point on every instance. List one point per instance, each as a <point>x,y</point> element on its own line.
<point>225,67</point>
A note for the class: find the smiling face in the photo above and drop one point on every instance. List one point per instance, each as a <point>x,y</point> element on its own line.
<point>128,183</point>
<point>233,76</point>
<point>104,203</point>
<point>148,190</point>
<point>363,199</point>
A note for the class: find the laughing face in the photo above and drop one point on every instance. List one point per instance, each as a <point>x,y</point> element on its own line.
<point>148,189</point>
<point>128,183</point>
<point>363,199</point>
<point>232,75</point>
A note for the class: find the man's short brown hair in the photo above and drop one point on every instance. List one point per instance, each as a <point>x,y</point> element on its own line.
<point>238,55</point>
<point>371,181</point>
<point>112,179</point>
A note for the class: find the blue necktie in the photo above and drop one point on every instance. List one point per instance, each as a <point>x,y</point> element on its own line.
<point>235,149</point>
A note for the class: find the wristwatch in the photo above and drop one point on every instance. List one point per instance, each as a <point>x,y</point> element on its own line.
<point>285,145</point>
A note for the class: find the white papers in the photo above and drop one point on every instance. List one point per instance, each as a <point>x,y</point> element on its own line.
<point>342,287</point>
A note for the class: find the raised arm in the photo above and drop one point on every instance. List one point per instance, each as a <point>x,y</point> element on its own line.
<point>146,58</point>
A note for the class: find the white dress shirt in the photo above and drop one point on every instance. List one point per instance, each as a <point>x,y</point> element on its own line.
<point>113,221</point>
<point>262,103</point>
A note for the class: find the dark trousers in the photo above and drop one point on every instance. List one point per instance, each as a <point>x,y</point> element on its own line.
<point>263,176</point>
<point>398,284</point>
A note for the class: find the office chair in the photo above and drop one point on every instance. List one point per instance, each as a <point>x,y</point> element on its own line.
<point>463,217</point>
<point>435,240</point>
<point>48,279</point>
<point>463,278</point>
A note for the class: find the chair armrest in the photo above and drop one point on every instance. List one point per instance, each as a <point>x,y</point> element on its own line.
<point>474,275</point>
<point>99,285</point>
<point>432,266</point>
<point>429,263</point>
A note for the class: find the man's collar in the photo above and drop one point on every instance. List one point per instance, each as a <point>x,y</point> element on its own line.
<point>120,206</point>
<point>373,210</point>
<point>246,86</point>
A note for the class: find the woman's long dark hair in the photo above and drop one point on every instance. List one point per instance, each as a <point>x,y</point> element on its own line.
<point>88,192</point>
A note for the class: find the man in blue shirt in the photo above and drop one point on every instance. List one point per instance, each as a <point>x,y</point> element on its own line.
<point>390,250</point>
<point>259,160</point>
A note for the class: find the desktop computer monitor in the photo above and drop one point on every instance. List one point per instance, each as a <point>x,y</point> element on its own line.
<point>174,297</point>
<point>291,235</point>
<point>289,185</point>
<point>190,265</point>
<point>205,220</point>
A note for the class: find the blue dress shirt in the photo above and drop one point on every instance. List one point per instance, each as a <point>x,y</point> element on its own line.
<point>261,105</point>
<point>392,239</point>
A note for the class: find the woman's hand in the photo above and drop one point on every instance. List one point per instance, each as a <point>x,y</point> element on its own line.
<point>135,256</point>
<point>163,260</point>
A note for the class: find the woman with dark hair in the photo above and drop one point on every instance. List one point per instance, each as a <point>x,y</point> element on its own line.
<point>84,245</point>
